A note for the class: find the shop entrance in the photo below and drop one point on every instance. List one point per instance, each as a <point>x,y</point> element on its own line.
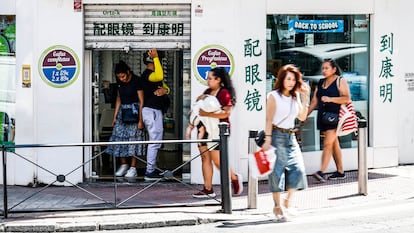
<point>115,32</point>
<point>103,96</point>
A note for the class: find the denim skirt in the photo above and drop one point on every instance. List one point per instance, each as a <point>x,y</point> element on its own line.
<point>289,169</point>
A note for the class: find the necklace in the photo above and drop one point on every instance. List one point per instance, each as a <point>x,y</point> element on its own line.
<point>326,84</point>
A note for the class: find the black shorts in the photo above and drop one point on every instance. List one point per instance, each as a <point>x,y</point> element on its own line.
<point>204,136</point>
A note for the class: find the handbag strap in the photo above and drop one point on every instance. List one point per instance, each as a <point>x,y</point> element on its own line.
<point>338,82</point>
<point>134,109</point>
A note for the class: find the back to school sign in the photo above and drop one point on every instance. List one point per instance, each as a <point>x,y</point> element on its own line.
<point>313,26</point>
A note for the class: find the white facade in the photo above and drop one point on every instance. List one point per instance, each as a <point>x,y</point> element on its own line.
<point>46,114</point>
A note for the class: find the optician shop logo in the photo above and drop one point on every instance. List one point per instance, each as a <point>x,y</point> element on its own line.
<point>209,57</point>
<point>59,66</point>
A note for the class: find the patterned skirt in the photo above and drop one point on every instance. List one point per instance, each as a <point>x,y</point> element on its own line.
<point>123,132</point>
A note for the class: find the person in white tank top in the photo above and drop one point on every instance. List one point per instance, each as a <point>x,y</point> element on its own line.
<point>288,100</point>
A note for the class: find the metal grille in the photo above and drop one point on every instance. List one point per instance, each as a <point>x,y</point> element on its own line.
<point>164,26</point>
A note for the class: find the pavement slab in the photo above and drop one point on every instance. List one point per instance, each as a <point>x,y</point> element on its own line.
<point>385,185</point>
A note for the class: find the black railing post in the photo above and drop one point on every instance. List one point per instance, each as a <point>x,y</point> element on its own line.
<point>3,149</point>
<point>224,168</point>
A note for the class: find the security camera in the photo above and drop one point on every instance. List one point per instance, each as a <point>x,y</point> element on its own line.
<point>126,48</point>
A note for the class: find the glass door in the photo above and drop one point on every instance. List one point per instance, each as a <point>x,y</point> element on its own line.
<point>305,40</point>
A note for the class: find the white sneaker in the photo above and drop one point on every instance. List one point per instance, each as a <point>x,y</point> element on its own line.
<point>131,173</point>
<point>122,170</point>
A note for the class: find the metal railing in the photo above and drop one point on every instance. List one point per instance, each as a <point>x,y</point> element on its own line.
<point>166,174</point>
<point>252,192</point>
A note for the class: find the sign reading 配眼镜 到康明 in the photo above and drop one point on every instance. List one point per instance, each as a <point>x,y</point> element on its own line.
<point>59,66</point>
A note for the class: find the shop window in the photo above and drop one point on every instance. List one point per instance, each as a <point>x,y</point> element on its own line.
<point>7,77</point>
<point>305,41</point>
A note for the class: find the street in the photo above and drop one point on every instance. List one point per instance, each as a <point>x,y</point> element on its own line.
<point>386,216</point>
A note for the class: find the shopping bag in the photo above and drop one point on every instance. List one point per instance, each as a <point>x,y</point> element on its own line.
<point>347,120</point>
<point>261,162</point>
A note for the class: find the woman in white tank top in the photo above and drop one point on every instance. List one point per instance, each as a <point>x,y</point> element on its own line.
<point>288,100</point>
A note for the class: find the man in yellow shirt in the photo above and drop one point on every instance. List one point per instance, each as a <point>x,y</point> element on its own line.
<point>152,113</point>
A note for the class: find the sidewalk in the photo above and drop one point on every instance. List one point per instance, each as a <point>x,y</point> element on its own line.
<point>384,185</point>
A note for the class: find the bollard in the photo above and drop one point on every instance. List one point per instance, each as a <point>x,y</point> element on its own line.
<point>362,157</point>
<point>3,149</point>
<point>225,169</point>
<point>252,183</point>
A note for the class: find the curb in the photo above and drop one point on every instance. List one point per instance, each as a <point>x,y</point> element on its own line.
<point>130,221</point>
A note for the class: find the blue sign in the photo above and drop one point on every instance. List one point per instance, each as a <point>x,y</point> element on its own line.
<point>314,26</point>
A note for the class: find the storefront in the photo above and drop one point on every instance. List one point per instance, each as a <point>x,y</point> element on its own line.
<point>115,32</point>
<point>91,36</point>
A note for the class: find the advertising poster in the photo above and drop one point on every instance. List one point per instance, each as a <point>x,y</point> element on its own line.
<point>7,35</point>
<point>7,78</point>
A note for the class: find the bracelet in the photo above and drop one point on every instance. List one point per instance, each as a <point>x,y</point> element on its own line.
<point>268,135</point>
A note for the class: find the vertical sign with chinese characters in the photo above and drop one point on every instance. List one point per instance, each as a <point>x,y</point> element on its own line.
<point>386,74</point>
<point>252,76</point>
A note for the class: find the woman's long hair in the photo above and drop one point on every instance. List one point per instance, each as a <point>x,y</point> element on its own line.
<point>281,76</point>
<point>225,82</point>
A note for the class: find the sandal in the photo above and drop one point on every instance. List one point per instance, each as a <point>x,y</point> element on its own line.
<point>289,211</point>
<point>279,214</point>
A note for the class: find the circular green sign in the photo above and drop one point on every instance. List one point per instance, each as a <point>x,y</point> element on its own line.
<point>59,66</point>
<point>209,57</point>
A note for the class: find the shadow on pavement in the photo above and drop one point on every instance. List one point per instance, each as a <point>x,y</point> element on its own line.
<point>235,224</point>
<point>103,195</point>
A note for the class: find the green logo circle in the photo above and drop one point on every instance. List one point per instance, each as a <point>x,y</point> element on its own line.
<point>59,66</point>
<point>210,57</point>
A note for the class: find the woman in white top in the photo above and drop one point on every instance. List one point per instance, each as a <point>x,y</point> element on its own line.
<point>287,101</point>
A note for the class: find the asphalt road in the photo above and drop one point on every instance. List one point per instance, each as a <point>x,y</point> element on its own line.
<point>384,217</point>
